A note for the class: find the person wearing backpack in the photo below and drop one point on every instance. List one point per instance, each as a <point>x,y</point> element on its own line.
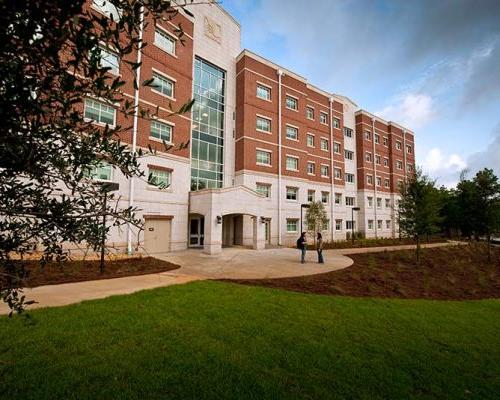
<point>302,246</point>
<point>319,248</point>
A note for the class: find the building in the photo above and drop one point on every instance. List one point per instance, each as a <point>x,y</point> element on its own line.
<point>263,141</point>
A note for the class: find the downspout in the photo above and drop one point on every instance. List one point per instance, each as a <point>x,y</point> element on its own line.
<point>135,123</point>
<point>280,74</point>
<point>332,174</point>
<point>375,205</point>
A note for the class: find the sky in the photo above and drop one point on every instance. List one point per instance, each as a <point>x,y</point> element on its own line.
<point>430,65</point>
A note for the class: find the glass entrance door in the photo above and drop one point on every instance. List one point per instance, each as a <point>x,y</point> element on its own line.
<point>196,231</point>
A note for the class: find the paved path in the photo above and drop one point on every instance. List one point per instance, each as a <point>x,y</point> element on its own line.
<point>233,263</point>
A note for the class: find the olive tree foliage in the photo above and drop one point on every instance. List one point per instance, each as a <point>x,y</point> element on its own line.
<point>49,63</point>
<point>316,218</point>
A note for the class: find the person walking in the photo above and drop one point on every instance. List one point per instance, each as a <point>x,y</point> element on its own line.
<point>319,248</point>
<point>302,246</point>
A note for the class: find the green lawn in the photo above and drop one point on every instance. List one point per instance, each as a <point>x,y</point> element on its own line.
<point>214,340</point>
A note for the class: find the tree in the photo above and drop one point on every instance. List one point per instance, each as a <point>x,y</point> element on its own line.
<point>449,211</point>
<point>50,62</point>
<point>316,218</point>
<point>418,210</point>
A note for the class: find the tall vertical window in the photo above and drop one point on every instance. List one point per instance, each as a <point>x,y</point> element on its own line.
<point>310,113</point>
<point>323,118</point>
<point>207,139</point>
<point>310,168</point>
<point>263,92</point>
<point>164,41</point>
<point>336,123</point>
<point>310,195</point>
<point>310,140</point>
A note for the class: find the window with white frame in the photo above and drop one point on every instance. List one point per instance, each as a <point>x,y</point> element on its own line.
<point>310,168</point>
<point>311,195</point>
<point>387,203</point>
<point>369,179</point>
<point>292,163</point>
<point>325,197</point>
<point>377,138</point>
<point>338,198</point>
<point>99,112</point>
<point>387,224</point>
<point>108,9</point>
<point>310,140</point>
<point>292,103</point>
<point>350,225</point>
<point>350,201</point>
<point>379,181</point>
<point>409,167</point>
<point>159,177</point>
<point>336,148</point>
<point>263,188</point>
<point>292,193</point>
<point>323,118</point>
<point>399,164</point>
<point>160,130</point>
<point>379,202</point>
<point>370,224</point>
<point>292,133</point>
<point>398,145</point>
<point>379,224</point>
<point>386,183</point>
<point>377,159</point>
<point>368,156</point>
<point>386,162</point>
<point>325,171</point>
<point>263,124</point>
<point>102,171</point>
<point>292,225</point>
<point>310,113</point>
<point>326,225</point>
<point>370,201</point>
<point>263,92</point>
<point>338,224</point>
<point>347,132</point>
<point>368,135</point>
<point>163,85</point>
<point>336,123</point>
<point>263,157</point>
<point>386,141</point>
<point>349,155</point>
<point>164,41</point>
<point>110,60</point>
<point>338,173</point>
<point>323,144</point>
<point>349,178</point>
<point>408,149</point>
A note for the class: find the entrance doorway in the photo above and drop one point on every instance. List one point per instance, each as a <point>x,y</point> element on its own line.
<point>196,231</point>
<point>268,231</point>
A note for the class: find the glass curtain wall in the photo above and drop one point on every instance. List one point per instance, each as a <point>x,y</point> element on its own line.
<point>207,138</point>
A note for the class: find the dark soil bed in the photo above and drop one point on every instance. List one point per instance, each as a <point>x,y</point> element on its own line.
<point>88,270</point>
<point>381,242</point>
<point>446,273</point>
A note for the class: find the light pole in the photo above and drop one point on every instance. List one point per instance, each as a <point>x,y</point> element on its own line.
<point>352,223</point>
<point>301,207</point>
<point>106,188</point>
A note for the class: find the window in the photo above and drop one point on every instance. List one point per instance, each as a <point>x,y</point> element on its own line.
<point>323,118</point>
<point>263,92</point>
<point>409,167</point>
<point>263,157</point>
<point>160,130</point>
<point>386,162</point>
<point>349,178</point>
<point>336,148</point>
<point>370,201</point>
<point>400,183</point>
<point>263,124</point>
<point>338,198</point>
<point>99,112</point>
<point>310,168</point>
<point>387,224</point>
<point>325,171</point>
<point>347,132</point>
<point>377,159</point>
<point>379,181</point>
<point>399,164</point>
<point>369,179</point>
<point>324,144</point>
<point>109,60</point>
<point>368,157</point>
<point>349,155</point>
<point>311,196</point>
<point>292,103</point>
<point>310,113</point>
<point>159,177</point>
<point>349,201</point>
<point>292,193</point>
<point>398,145</point>
<point>368,135</point>
<point>387,203</point>
<point>379,224</point>
<point>338,224</point>
<point>310,140</point>
<point>164,41</point>
<point>108,9</point>
<point>377,138</point>
<point>350,225</point>
<point>408,149</point>
<point>326,225</point>
<point>163,85</point>
<point>370,224</point>
<point>338,173</point>
<point>386,183</point>
<point>292,225</point>
<point>325,197</point>
<point>292,163</point>
<point>336,123</point>
<point>100,172</point>
<point>379,202</point>
<point>263,188</point>
<point>386,141</point>
<point>292,133</point>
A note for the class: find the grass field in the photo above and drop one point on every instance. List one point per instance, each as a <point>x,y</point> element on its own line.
<point>215,340</point>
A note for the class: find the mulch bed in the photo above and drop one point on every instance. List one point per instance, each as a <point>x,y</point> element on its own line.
<point>372,242</point>
<point>88,270</point>
<point>447,273</point>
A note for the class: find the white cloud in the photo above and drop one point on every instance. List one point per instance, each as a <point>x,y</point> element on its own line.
<point>444,168</point>
<point>411,110</point>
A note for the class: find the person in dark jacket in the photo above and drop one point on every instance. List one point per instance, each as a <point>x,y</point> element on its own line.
<point>302,244</point>
<point>319,248</point>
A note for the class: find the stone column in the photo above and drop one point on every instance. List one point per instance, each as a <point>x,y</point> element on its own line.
<point>213,234</point>
<point>259,234</point>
